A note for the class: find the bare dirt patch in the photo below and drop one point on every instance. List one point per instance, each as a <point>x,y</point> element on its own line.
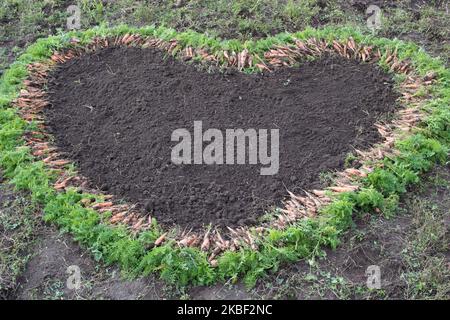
<point>411,249</point>
<point>113,113</point>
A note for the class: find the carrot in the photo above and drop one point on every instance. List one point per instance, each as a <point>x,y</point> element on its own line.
<point>184,242</point>
<point>54,58</point>
<point>114,209</point>
<point>41,152</point>
<point>252,242</point>
<point>214,263</point>
<point>43,145</point>
<point>316,201</point>
<point>232,230</point>
<point>259,229</point>
<point>160,239</point>
<point>343,189</point>
<point>58,162</point>
<point>262,67</point>
<point>117,217</point>
<point>352,44</point>
<point>219,237</point>
<point>311,212</point>
<point>188,241</point>
<point>319,193</point>
<point>360,153</point>
<point>389,59</point>
<point>355,172</point>
<point>128,218</point>
<point>62,184</point>
<point>102,205</point>
<point>214,253</point>
<point>138,224</point>
<point>193,241</point>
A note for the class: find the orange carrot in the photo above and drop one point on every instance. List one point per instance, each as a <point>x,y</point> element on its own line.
<point>160,239</point>
<point>206,242</point>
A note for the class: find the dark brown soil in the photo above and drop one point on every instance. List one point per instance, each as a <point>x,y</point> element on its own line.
<point>114,111</point>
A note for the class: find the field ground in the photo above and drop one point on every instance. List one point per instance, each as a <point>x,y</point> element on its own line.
<point>412,248</point>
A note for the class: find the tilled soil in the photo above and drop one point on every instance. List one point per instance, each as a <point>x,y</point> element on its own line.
<point>113,112</point>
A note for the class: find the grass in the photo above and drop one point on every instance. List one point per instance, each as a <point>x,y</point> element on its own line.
<point>304,239</point>
<point>428,21</point>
